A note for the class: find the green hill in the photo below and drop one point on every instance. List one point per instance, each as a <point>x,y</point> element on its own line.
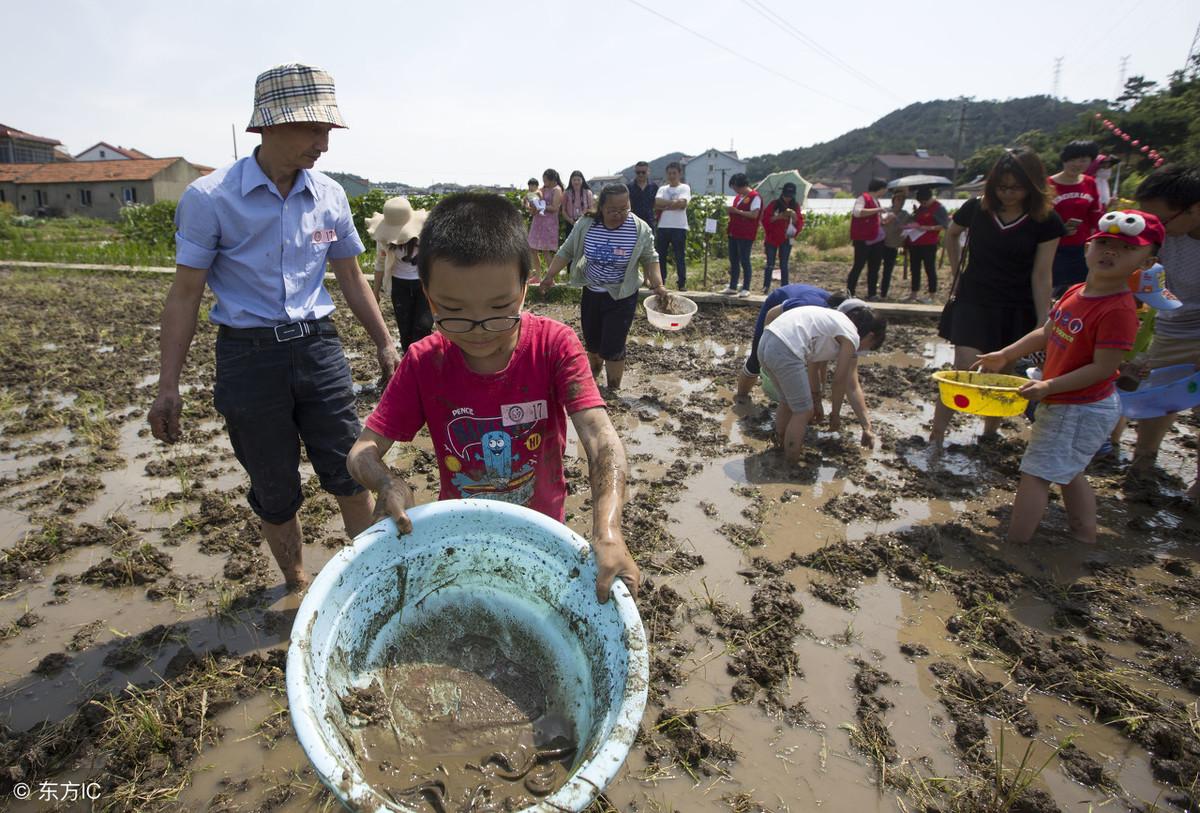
<point>929,125</point>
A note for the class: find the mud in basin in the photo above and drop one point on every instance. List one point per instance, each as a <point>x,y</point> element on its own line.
<point>467,666</point>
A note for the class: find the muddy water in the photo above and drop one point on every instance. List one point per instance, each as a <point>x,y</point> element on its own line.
<point>434,734</point>
<point>789,740</point>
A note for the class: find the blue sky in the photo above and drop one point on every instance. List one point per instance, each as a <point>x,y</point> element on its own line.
<point>493,92</point>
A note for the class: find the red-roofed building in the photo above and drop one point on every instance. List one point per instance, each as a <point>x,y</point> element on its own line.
<point>103,151</point>
<point>94,188</point>
<point>20,147</point>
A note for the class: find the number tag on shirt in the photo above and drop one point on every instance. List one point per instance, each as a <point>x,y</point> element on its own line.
<point>528,412</point>
<point>325,236</point>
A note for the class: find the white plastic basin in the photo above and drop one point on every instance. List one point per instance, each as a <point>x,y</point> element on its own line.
<point>505,567</point>
<point>669,321</point>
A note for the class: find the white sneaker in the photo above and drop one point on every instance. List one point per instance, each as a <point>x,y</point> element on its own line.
<point>743,293</point>
<point>729,291</point>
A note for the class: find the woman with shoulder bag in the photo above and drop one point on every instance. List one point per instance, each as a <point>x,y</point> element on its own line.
<point>1003,289</point>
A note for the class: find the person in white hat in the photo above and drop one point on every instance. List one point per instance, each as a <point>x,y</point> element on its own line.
<point>259,234</point>
<point>397,231</point>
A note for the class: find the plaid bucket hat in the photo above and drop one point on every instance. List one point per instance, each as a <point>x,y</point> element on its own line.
<point>294,93</point>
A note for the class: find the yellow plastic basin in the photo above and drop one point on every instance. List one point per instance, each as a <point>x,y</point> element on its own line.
<point>989,394</point>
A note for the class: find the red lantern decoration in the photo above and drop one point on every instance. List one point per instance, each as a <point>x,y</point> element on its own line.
<point>1124,136</point>
<point>1158,163</point>
<point>1099,116</point>
<point>1135,142</point>
<point>1117,132</point>
<point>1145,148</point>
<point>1107,123</point>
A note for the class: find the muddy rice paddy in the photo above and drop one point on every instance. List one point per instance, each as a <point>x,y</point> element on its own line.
<point>848,634</point>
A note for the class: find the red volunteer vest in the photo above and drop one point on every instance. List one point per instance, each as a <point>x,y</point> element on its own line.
<point>865,228</point>
<point>744,228</point>
<point>925,217</point>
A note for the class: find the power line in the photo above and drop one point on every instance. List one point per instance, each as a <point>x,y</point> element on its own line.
<point>745,58</point>
<point>764,11</point>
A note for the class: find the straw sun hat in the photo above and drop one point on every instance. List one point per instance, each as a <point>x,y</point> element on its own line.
<point>398,223</point>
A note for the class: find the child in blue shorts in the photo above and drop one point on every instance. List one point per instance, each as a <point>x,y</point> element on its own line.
<point>1089,331</point>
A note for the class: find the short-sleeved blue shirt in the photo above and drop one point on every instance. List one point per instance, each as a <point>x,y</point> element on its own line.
<point>265,256</point>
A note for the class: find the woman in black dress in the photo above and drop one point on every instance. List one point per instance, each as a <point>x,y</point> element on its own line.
<point>1004,291</point>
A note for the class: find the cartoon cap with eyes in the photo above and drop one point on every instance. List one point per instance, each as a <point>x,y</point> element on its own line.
<point>1132,227</point>
<point>1150,286</point>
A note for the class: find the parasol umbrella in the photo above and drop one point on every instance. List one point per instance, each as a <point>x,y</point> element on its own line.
<point>921,180</point>
<point>770,186</point>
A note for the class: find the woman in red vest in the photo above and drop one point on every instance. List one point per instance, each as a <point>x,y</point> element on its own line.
<point>744,215</point>
<point>782,220</point>
<point>866,232</point>
<point>930,218</point>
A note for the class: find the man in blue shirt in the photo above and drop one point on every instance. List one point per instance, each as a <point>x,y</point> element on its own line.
<point>259,233</point>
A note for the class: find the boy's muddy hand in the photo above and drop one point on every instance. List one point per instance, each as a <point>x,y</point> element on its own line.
<point>389,360</point>
<point>614,562</point>
<point>547,283</point>
<point>990,362</point>
<point>394,500</point>
<point>868,439</point>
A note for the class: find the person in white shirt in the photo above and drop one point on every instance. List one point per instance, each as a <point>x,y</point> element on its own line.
<point>671,204</point>
<point>795,343</point>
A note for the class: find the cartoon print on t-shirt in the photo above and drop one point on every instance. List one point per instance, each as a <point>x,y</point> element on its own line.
<point>496,479</point>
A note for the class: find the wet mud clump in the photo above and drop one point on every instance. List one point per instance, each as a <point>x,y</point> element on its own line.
<point>859,507</point>
<point>765,638</point>
<point>677,737</point>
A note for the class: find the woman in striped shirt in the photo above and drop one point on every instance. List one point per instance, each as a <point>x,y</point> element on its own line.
<point>613,247</point>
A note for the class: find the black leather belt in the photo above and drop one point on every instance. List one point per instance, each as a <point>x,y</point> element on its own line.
<point>281,333</point>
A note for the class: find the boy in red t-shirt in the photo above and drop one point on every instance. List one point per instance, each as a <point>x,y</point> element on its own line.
<point>1086,337</point>
<point>495,387</point>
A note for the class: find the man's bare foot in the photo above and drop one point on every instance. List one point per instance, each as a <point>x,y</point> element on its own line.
<point>297,584</point>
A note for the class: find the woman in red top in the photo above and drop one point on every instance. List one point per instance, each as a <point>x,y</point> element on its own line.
<point>744,215</point>
<point>930,218</point>
<point>866,233</point>
<point>780,217</point>
<point>1077,201</point>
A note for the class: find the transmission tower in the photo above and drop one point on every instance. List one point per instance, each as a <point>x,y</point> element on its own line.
<point>1121,77</point>
<point>1194,49</point>
<point>1058,61</point>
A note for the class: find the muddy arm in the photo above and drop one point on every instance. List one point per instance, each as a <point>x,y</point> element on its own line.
<point>362,302</point>
<point>606,473</point>
<point>178,328</point>
<point>365,464</point>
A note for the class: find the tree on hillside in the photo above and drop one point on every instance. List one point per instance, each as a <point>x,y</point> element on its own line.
<point>1136,88</point>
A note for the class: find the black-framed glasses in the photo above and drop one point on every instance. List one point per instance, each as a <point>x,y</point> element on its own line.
<point>493,324</point>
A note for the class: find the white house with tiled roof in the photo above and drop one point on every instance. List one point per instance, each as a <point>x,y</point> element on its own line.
<point>709,172</point>
<point>103,151</point>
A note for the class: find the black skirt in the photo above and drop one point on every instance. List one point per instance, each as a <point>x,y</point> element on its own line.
<point>989,328</point>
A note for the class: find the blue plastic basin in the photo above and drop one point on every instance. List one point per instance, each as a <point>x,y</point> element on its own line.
<point>512,570</point>
<point>1165,390</point>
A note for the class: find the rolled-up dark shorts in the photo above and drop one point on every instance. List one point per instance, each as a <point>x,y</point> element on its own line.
<point>606,322</point>
<point>273,395</point>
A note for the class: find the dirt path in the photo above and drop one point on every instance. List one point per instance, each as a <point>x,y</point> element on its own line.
<point>845,634</point>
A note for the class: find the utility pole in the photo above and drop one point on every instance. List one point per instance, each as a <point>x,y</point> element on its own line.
<point>233,132</point>
<point>1121,77</point>
<point>962,126</point>
<point>1058,61</point>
